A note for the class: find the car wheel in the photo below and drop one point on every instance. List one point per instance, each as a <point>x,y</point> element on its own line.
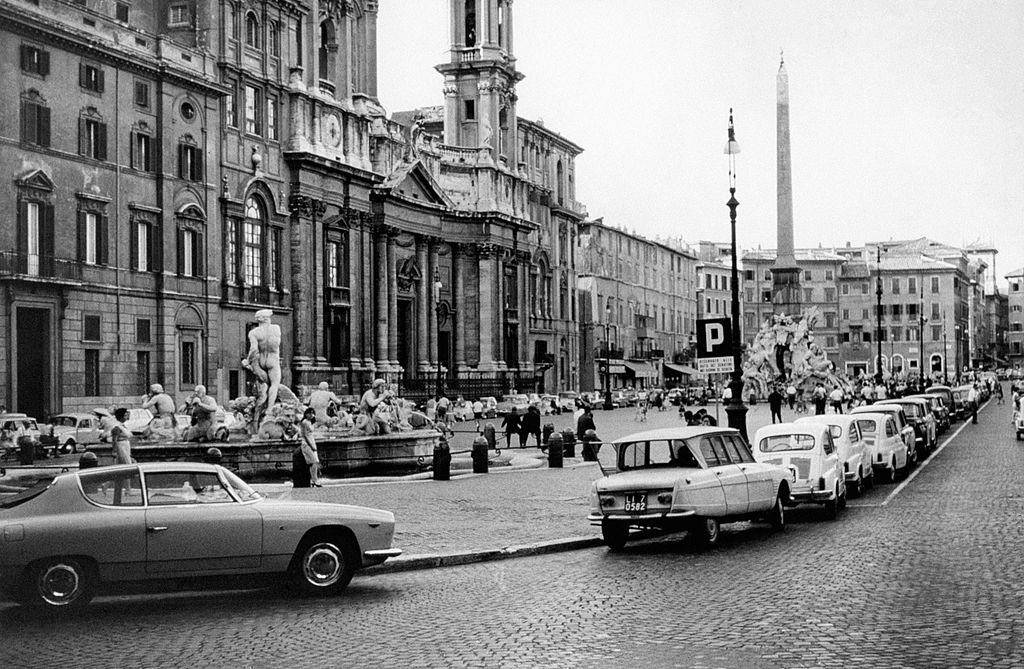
<point>58,584</point>
<point>777,515</point>
<point>871,479</point>
<point>615,535</point>
<point>832,507</point>
<point>69,447</point>
<point>323,565</point>
<point>842,500</point>
<point>705,532</point>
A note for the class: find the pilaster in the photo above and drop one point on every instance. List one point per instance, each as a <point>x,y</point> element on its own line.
<point>432,267</point>
<point>392,285</point>
<point>380,281</point>
<point>305,212</point>
<point>423,307</point>
<point>486,307</point>
<point>459,333</point>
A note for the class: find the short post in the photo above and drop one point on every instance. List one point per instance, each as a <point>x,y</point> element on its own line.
<point>591,445</point>
<point>26,450</point>
<point>549,428</point>
<point>555,451</point>
<point>88,460</point>
<point>490,435</point>
<point>480,446</point>
<point>213,456</point>
<point>442,460</point>
<point>568,444</point>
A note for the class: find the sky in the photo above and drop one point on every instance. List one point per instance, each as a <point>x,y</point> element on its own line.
<point>906,118</point>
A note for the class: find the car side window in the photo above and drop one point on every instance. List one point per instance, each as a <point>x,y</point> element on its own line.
<point>828,445</point>
<point>708,451</point>
<point>112,488</point>
<point>163,488</point>
<point>744,450</point>
<point>730,449</point>
<point>890,428</point>
<point>854,433</point>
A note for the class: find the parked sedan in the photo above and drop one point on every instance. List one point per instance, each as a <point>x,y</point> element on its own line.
<point>906,430</point>
<point>854,454</point>
<point>75,430</point>
<point>686,478</point>
<point>883,439</point>
<point>919,415</point>
<point>938,409</point>
<point>945,393</point>
<point>69,537</point>
<point>809,451</point>
<point>508,402</point>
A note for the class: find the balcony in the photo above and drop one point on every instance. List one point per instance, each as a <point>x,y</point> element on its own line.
<point>656,354</point>
<point>32,266</point>
<point>614,353</point>
<point>262,295</point>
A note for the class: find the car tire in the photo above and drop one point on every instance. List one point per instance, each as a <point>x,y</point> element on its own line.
<point>777,516</point>
<point>323,565</point>
<point>832,507</point>
<point>69,446</point>
<point>705,532</point>
<point>62,584</point>
<point>870,480</point>
<point>615,535</point>
<point>842,500</point>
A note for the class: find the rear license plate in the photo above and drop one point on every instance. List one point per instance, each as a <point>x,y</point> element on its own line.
<point>636,502</point>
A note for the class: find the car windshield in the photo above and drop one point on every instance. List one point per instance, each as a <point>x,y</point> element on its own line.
<point>786,442</point>
<point>912,410</point>
<point>65,421</point>
<point>240,487</point>
<point>25,495</point>
<point>567,396</point>
<point>658,453</point>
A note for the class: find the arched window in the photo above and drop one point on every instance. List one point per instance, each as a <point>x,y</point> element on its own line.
<point>252,30</point>
<point>328,49</point>
<point>470,12</point>
<point>252,240</point>
<point>191,226</point>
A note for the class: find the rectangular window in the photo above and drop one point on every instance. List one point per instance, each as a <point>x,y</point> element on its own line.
<point>935,311</point>
<point>91,327</point>
<point>911,285</point>
<point>142,94</point>
<point>143,331</point>
<point>232,259</point>
<point>35,123</point>
<point>142,246</point>
<point>178,15</point>
<point>252,261</point>
<point>90,78</point>
<point>31,233</point>
<point>271,117</point>
<point>230,107</point>
<point>846,289</point>
<point>122,12</point>
<point>895,286</point>
<point>845,338</point>
<point>190,164</point>
<point>141,152</point>
<point>828,275</point>
<point>92,225</point>
<point>807,275</point>
<point>830,341</point>
<point>275,258</point>
<point>188,258</point>
<point>935,284</point>
<point>846,314</point>
<point>864,288</point>
<point>92,372</point>
<point>188,363</point>
<point>808,294</point>
<point>912,334</point>
<point>253,110</point>
<point>897,312</point>
<point>911,311</point>
<point>830,294</point>
<point>142,378</point>
<point>275,39</point>
<point>92,139</point>
<point>896,334</point>
<point>867,337</point>
<point>34,60</point>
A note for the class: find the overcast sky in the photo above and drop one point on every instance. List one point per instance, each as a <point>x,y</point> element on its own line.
<point>907,118</point>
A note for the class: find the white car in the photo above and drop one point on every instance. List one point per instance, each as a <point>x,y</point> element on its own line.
<point>853,452</point>
<point>74,431</point>
<point>567,400</point>
<point>809,451</point>
<point>138,420</point>
<point>903,426</point>
<point>686,478</point>
<point>883,438</point>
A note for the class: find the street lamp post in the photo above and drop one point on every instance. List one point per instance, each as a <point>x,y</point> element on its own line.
<point>956,353</point>
<point>437,306</point>
<point>607,406</point>
<point>736,409</point>
<point>945,353</point>
<point>920,337</point>
<point>878,314</point>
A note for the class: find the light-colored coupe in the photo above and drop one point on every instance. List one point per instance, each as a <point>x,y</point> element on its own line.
<point>686,478</point>
<point>65,539</point>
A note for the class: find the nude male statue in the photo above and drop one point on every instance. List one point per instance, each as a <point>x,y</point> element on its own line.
<point>264,360</point>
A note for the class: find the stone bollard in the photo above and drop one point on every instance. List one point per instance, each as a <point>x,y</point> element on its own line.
<point>490,435</point>
<point>213,456</point>
<point>88,460</point>
<point>442,460</point>
<point>555,451</point>
<point>26,450</point>
<point>300,470</point>
<point>480,455</point>
<point>549,428</point>
<point>591,445</point>
<point>568,444</point>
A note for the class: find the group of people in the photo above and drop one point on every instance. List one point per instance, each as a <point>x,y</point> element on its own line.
<point>525,425</point>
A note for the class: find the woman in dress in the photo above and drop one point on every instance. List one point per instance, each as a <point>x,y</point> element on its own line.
<point>308,446</point>
<point>121,438</point>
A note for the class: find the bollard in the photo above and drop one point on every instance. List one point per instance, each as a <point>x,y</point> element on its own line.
<point>568,444</point>
<point>480,455</point>
<point>546,433</point>
<point>442,460</point>
<point>489,435</point>
<point>26,450</point>
<point>555,451</point>
<point>88,460</point>
<point>591,445</point>
<point>300,470</point>
<point>213,456</point>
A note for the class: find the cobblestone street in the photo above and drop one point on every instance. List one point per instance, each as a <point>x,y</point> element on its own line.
<point>921,578</point>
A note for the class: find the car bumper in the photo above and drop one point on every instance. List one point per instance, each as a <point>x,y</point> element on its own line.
<point>811,495</point>
<point>598,518</point>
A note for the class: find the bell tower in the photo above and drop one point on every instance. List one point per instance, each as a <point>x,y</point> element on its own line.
<point>480,79</point>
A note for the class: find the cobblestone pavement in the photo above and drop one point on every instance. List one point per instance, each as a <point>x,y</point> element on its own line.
<point>929,577</point>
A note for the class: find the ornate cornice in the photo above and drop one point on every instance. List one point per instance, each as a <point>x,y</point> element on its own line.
<point>305,206</point>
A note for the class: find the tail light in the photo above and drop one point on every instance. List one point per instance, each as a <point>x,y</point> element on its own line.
<point>665,497</point>
<point>607,500</point>
<point>821,483</point>
<point>846,467</point>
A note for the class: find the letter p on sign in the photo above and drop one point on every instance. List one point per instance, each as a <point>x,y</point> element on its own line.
<point>714,338</point>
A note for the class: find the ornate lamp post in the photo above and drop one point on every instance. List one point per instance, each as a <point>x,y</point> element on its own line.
<point>438,307</point>
<point>736,410</point>
<point>607,361</point>
<point>878,315</point>
<point>956,344</point>
<point>945,352</point>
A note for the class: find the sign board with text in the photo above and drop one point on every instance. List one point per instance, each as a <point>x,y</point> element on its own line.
<point>714,346</point>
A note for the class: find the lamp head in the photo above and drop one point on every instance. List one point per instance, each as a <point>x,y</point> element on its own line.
<point>732,147</point>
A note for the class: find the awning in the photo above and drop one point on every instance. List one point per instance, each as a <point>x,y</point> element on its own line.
<point>642,370</point>
<point>681,369</point>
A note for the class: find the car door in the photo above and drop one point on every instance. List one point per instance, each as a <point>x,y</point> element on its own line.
<point>111,527</point>
<point>760,486</point>
<point>895,442</point>
<point>711,493</point>
<point>88,431</point>
<point>734,480</point>
<point>194,525</point>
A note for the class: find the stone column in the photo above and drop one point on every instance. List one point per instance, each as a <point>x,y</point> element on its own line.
<point>460,306</point>
<point>523,272</point>
<point>423,296</point>
<point>508,26</point>
<point>304,211</point>
<point>380,278</point>
<point>392,276</point>
<point>432,266</point>
<point>499,292</point>
<point>485,282</point>
<point>371,48</point>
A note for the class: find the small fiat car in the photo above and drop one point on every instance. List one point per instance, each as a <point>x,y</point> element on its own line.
<point>919,415</point>
<point>686,478</point>
<point>854,454</point>
<point>809,451</point>
<point>938,409</point>
<point>903,426</point>
<point>883,439</point>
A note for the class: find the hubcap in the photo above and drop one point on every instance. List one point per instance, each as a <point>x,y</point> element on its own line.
<point>322,565</point>
<point>59,584</point>
<point>711,528</point>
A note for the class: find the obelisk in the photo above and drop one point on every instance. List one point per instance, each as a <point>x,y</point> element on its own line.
<point>785,272</point>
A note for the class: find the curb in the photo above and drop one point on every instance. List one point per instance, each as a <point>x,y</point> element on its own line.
<point>433,561</point>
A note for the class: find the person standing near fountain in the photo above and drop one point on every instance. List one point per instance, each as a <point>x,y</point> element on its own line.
<point>307,446</point>
<point>264,360</point>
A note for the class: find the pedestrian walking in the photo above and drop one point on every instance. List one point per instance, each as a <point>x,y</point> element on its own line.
<point>511,423</point>
<point>972,399</point>
<point>818,396</point>
<point>478,409</point>
<point>999,393</point>
<point>791,396</point>
<point>775,404</point>
<point>530,425</point>
<point>836,398</point>
<point>121,437</point>
<point>585,422</point>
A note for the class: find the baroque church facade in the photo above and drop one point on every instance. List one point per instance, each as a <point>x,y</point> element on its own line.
<point>213,158</point>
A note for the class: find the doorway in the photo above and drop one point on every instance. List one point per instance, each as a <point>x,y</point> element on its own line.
<point>406,334</point>
<point>32,391</point>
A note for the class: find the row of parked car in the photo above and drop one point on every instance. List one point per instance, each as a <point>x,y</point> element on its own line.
<point>695,478</point>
